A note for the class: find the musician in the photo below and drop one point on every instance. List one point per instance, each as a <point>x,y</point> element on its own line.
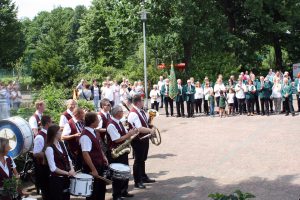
<point>68,114</point>
<point>139,120</point>
<point>103,117</point>
<point>94,159</point>
<point>41,168</point>
<point>179,99</point>
<point>189,91</point>
<point>116,136</point>
<point>71,134</point>
<point>265,89</point>
<point>287,95</point>
<point>7,165</point>
<point>167,99</point>
<point>35,119</point>
<point>60,165</point>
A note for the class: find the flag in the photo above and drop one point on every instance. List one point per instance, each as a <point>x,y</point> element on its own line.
<point>173,89</point>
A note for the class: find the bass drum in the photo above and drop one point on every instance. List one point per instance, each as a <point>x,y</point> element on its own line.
<point>19,133</point>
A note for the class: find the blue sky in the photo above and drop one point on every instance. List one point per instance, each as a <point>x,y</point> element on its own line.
<point>30,8</point>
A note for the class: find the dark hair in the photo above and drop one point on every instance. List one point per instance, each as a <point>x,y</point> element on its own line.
<point>136,98</point>
<point>103,101</point>
<point>89,118</point>
<point>45,120</point>
<point>51,134</point>
<point>221,92</point>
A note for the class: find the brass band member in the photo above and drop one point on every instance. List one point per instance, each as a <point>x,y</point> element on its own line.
<point>71,134</point>
<point>139,120</point>
<point>68,114</point>
<point>60,165</point>
<point>117,134</point>
<point>94,159</point>
<point>35,119</point>
<point>41,167</point>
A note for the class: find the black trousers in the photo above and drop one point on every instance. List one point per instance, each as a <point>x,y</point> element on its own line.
<point>198,105</point>
<point>236,104</point>
<point>206,107</point>
<point>59,188</point>
<point>141,148</point>
<point>256,104</point>
<point>161,100</point>
<point>298,102</point>
<point>119,186</point>
<point>264,105</point>
<point>42,179</point>
<point>218,101</point>
<point>250,105</point>
<point>271,104</point>
<point>154,105</point>
<point>168,102</point>
<point>99,186</point>
<point>241,103</point>
<point>180,106</point>
<point>190,108</point>
<point>288,104</point>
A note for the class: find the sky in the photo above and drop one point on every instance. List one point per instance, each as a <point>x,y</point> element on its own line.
<point>30,8</point>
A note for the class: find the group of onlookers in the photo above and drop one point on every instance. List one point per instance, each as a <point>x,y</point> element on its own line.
<point>249,95</point>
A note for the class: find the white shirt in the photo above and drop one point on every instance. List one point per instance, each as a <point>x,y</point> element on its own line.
<point>108,93</point>
<point>5,167</point>
<point>230,97</point>
<point>134,119</point>
<point>67,128</point>
<point>160,84</point>
<point>154,95</point>
<point>113,131</point>
<point>85,142</point>
<point>124,94</point>
<point>100,119</point>
<point>32,121</point>
<point>63,120</point>
<point>96,91</point>
<point>276,90</point>
<point>39,142</point>
<point>199,93</point>
<point>218,88</point>
<point>50,157</point>
<point>206,92</point>
<point>239,89</point>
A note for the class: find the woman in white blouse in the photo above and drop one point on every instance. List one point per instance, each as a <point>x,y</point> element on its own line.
<point>116,90</point>
<point>60,165</point>
<point>155,97</point>
<point>124,92</point>
<point>219,86</point>
<point>198,97</point>
<point>276,94</point>
<point>206,92</point>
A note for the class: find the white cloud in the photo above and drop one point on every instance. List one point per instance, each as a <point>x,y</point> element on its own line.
<point>30,8</point>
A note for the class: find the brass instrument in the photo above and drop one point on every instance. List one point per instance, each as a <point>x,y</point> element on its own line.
<point>123,148</point>
<point>156,138</point>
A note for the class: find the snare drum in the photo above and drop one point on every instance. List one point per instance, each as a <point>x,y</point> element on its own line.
<point>81,185</point>
<point>119,171</point>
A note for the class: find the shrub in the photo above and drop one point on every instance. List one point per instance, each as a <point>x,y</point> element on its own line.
<point>237,195</point>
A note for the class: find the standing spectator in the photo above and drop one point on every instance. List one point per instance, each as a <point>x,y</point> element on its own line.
<point>211,100</point>
<point>207,90</point>
<point>265,89</point>
<point>4,108</point>
<point>167,100</point>
<point>256,101</point>
<point>16,97</point>
<point>96,94</point>
<point>297,85</point>
<point>104,85</point>
<point>287,95</point>
<point>108,93</point>
<point>116,90</point>
<point>198,97</point>
<point>230,100</point>
<point>222,104</point>
<point>250,91</point>
<point>240,89</point>
<point>276,93</point>
<point>85,92</point>
<point>160,84</point>
<point>180,99</point>
<point>189,91</point>
<point>219,86</point>
<point>140,89</point>
<point>155,96</point>
<point>124,93</point>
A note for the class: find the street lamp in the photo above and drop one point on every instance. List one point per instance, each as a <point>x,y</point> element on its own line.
<point>144,19</point>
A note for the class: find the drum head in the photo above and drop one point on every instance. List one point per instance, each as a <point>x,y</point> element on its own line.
<point>81,175</point>
<point>119,167</point>
<point>12,132</point>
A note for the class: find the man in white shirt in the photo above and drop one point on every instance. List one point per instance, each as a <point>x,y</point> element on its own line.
<point>160,83</point>
<point>41,168</point>
<point>240,90</point>
<point>108,93</point>
<point>68,114</point>
<point>35,119</point>
<point>117,135</point>
<point>138,119</point>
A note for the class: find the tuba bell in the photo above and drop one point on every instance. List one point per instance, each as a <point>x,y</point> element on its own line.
<point>156,138</point>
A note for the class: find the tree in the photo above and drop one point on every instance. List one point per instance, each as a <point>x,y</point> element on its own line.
<point>11,38</point>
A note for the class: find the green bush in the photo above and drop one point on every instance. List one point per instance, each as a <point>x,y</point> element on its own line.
<point>237,195</point>
<point>86,105</point>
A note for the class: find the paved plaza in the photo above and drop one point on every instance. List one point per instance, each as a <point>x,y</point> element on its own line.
<point>204,155</point>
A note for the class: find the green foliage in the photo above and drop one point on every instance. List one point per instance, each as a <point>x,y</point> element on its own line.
<point>10,187</point>
<point>86,105</point>
<point>237,195</point>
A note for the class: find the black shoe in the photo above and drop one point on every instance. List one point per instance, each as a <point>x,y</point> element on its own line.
<point>178,115</point>
<point>127,195</point>
<point>287,114</point>
<point>148,180</point>
<point>293,114</point>
<point>167,115</point>
<point>139,185</point>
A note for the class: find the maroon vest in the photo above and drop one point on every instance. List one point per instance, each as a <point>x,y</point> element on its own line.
<point>38,121</point>
<point>67,115</point>
<point>143,122</point>
<point>3,175</point>
<point>61,159</point>
<point>73,143</point>
<point>122,132</point>
<point>96,151</point>
<point>104,125</point>
<point>44,135</point>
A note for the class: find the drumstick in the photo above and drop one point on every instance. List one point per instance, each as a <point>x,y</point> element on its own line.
<point>107,181</point>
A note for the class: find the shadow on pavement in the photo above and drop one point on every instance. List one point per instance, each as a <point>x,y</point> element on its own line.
<point>162,156</point>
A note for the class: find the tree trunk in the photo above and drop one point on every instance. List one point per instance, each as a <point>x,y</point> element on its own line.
<point>187,49</point>
<point>278,53</point>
